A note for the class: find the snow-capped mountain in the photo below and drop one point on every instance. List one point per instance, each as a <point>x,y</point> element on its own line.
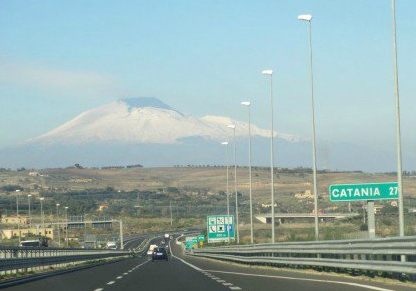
<point>146,131</point>
<point>146,120</point>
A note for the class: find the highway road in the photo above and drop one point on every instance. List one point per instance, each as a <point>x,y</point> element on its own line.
<point>133,241</point>
<point>183,273</point>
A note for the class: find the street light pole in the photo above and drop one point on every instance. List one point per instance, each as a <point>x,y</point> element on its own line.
<point>228,196</point>
<point>176,207</point>
<point>66,231</point>
<point>270,73</point>
<point>41,213</point>
<point>398,137</point>
<point>57,220</point>
<point>30,216</point>
<point>308,18</point>
<point>235,185</point>
<point>248,104</point>
<point>17,214</point>
<point>171,217</point>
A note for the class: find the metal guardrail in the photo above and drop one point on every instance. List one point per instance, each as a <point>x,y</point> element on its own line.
<point>19,258</point>
<point>378,255</point>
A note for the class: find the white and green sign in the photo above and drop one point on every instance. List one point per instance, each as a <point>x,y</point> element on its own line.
<point>201,237</point>
<point>191,242</point>
<point>220,228</point>
<point>371,191</point>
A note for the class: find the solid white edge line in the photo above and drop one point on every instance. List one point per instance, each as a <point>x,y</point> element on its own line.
<point>305,279</point>
<point>283,277</point>
<point>182,260</point>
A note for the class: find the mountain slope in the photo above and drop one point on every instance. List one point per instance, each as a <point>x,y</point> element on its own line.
<point>146,131</point>
<point>145,120</point>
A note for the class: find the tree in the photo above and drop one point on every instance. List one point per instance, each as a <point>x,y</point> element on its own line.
<point>78,166</point>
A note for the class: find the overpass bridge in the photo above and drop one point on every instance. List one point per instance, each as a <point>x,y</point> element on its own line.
<point>281,217</point>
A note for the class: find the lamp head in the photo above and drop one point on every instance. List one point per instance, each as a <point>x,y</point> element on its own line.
<point>305,17</point>
<point>224,143</point>
<point>246,103</point>
<point>231,126</point>
<point>267,72</point>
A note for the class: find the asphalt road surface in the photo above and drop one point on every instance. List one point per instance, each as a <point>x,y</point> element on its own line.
<point>184,273</point>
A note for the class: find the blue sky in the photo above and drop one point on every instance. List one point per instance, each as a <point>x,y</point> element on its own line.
<point>59,58</point>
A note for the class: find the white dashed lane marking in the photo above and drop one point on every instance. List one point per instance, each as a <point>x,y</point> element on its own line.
<point>305,279</point>
<point>227,284</point>
<point>235,288</point>
<point>121,277</point>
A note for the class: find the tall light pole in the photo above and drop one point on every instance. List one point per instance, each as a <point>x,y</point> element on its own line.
<point>235,185</point>
<point>248,104</point>
<point>30,216</point>
<point>270,73</point>
<point>17,214</point>
<point>228,195</point>
<point>41,212</point>
<point>57,220</point>
<point>66,231</point>
<point>176,207</point>
<point>171,217</point>
<point>308,18</point>
<point>398,138</point>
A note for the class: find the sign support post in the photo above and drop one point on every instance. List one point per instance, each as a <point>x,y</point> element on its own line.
<point>371,219</point>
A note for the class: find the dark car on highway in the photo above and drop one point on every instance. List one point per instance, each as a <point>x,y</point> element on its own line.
<point>159,254</point>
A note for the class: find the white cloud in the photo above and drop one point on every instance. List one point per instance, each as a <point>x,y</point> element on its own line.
<point>56,82</point>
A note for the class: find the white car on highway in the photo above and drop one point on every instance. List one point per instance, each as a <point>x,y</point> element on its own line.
<point>151,248</point>
<point>111,245</point>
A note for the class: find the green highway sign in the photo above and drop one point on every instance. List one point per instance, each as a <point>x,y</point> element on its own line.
<point>201,237</point>
<point>191,242</point>
<point>370,191</point>
<point>220,228</point>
